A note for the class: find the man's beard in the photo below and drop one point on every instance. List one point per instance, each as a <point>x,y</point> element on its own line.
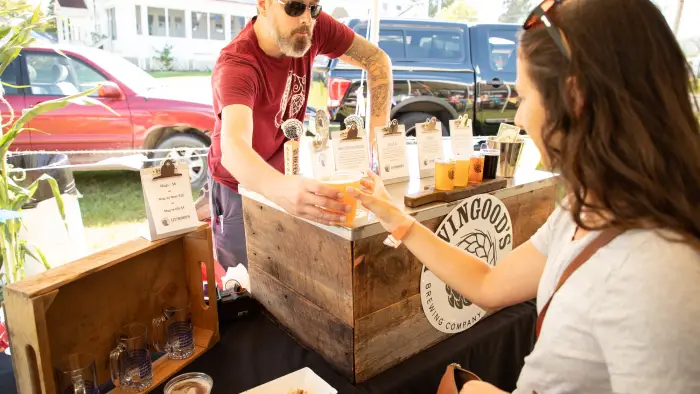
<point>293,45</point>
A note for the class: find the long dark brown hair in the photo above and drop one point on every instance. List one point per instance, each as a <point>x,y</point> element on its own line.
<point>632,150</point>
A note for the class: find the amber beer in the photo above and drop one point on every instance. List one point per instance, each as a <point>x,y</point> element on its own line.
<point>461,171</point>
<point>340,181</point>
<point>444,174</point>
<point>476,168</point>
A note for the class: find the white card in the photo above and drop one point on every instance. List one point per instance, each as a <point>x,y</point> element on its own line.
<point>462,138</point>
<point>429,146</point>
<point>351,152</point>
<point>322,160</point>
<point>169,204</point>
<point>508,132</point>
<point>393,159</point>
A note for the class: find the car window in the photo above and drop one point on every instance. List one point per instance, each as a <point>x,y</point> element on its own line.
<point>503,50</point>
<point>11,76</point>
<point>391,41</point>
<point>55,75</point>
<point>434,45</point>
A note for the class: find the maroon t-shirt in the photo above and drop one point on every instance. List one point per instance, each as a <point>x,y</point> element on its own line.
<point>276,89</point>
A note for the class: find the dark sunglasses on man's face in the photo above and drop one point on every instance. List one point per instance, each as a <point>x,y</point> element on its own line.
<point>538,17</point>
<point>297,8</point>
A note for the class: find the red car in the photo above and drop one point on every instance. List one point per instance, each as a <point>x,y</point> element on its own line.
<point>150,115</point>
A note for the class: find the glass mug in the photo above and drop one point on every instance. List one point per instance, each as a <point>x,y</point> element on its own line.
<point>78,375</point>
<point>461,171</point>
<point>176,323</point>
<point>444,174</point>
<point>130,363</point>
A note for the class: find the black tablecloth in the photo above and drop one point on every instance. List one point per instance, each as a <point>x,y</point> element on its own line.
<point>256,350</point>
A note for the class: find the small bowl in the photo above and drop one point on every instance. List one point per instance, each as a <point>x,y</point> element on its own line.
<point>189,376</point>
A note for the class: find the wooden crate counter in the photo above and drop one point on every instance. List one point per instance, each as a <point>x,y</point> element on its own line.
<point>343,293</point>
<point>78,307</point>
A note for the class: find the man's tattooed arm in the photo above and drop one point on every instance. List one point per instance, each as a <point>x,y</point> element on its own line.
<point>368,56</point>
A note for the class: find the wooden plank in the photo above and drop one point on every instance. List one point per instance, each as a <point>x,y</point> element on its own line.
<point>26,326</point>
<point>312,261</point>
<point>62,275</point>
<point>197,251</point>
<point>312,326</point>
<point>431,195</point>
<point>391,335</point>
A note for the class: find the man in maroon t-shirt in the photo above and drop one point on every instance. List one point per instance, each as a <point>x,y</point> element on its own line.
<point>261,79</point>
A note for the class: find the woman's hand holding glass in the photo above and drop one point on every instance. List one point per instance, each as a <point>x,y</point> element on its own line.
<point>377,200</point>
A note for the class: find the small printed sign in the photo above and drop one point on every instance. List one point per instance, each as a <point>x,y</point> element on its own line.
<point>462,138</point>
<point>481,226</point>
<point>350,149</point>
<point>169,204</point>
<point>429,137</point>
<point>391,144</point>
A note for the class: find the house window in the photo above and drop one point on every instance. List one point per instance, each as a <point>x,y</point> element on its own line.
<point>156,22</point>
<point>139,28</point>
<point>237,24</point>
<point>111,21</point>
<point>199,25</point>
<point>216,27</point>
<point>176,23</point>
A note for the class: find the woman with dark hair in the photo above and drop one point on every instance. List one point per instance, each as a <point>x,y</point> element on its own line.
<point>605,97</point>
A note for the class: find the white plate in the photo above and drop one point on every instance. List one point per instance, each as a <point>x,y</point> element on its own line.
<point>304,379</point>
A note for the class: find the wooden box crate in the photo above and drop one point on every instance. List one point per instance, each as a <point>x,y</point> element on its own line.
<point>79,307</point>
<point>357,303</point>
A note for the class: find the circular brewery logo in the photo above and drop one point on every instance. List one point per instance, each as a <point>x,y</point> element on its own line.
<point>481,226</point>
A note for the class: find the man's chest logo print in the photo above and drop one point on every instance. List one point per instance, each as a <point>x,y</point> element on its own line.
<point>294,97</point>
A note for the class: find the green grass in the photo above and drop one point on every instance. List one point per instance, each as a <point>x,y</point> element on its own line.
<point>112,207</point>
<point>167,74</point>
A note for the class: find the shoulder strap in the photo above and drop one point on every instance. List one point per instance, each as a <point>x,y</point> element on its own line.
<point>601,240</point>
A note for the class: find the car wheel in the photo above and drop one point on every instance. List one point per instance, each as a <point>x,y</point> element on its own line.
<point>198,165</point>
<point>410,119</point>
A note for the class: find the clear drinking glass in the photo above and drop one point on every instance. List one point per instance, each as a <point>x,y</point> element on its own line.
<point>172,333</point>
<point>78,375</point>
<point>130,362</point>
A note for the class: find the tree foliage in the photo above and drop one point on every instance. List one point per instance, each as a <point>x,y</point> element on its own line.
<point>516,11</point>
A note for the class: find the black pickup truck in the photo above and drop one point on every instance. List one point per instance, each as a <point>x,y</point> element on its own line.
<point>442,69</point>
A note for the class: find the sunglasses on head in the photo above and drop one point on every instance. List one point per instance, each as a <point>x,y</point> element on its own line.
<point>538,17</point>
<point>297,8</point>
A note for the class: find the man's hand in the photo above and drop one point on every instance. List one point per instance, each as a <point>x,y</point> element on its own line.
<point>311,200</point>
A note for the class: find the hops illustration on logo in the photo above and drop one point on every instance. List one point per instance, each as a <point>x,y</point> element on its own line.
<point>451,174</point>
<point>477,168</point>
<point>481,245</point>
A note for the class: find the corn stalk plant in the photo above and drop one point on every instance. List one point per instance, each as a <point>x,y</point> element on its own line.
<point>17,22</point>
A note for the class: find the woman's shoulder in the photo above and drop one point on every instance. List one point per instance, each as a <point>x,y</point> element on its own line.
<point>654,257</point>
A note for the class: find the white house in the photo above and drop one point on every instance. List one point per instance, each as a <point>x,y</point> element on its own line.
<point>196,30</point>
<point>138,29</point>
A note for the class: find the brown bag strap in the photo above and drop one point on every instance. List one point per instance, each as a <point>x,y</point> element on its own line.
<point>601,240</point>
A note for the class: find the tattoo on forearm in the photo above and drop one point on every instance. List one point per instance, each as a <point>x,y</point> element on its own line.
<point>379,97</point>
<point>370,57</point>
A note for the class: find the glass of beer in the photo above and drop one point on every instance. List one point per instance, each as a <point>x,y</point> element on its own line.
<point>461,171</point>
<point>476,168</point>
<point>444,174</point>
<point>491,157</point>
<point>340,181</point>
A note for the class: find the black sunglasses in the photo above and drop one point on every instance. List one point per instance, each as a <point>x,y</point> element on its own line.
<point>538,17</point>
<point>297,8</point>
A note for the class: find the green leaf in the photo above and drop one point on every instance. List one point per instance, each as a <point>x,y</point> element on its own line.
<point>13,86</point>
<point>39,256</point>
